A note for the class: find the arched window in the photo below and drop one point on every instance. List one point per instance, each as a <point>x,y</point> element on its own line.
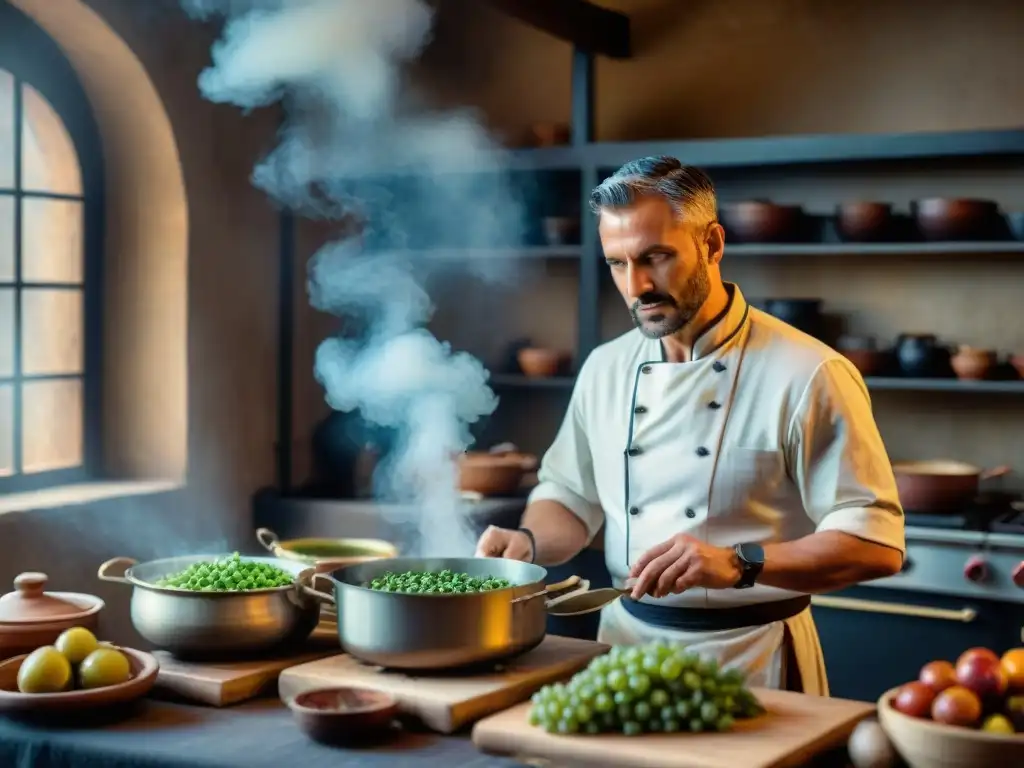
<point>50,256</point>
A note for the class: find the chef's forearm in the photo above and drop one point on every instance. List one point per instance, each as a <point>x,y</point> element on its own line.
<point>826,561</point>
<point>558,533</point>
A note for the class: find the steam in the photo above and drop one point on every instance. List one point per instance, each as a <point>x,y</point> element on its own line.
<point>337,67</point>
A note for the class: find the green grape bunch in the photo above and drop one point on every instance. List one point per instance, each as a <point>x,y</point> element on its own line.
<point>229,574</point>
<point>652,688</point>
<point>444,582</point>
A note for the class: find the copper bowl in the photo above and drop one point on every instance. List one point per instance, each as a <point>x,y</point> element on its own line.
<point>759,221</point>
<point>944,219</point>
<point>973,364</point>
<point>864,221</point>
<point>540,363</point>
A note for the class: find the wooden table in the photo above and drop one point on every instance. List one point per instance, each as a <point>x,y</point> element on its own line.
<point>259,734</point>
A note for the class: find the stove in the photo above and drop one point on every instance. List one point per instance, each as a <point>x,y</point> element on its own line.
<point>962,586</point>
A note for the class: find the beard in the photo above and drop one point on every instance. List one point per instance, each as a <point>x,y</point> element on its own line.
<point>673,312</point>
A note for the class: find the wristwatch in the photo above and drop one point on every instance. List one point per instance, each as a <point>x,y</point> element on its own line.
<point>751,557</point>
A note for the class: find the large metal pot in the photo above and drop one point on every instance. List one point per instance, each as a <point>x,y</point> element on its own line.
<point>198,624</point>
<point>417,631</point>
<point>940,487</point>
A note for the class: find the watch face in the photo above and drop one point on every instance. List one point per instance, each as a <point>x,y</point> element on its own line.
<point>752,553</point>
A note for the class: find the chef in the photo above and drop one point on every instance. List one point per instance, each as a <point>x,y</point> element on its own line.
<point>732,460</point>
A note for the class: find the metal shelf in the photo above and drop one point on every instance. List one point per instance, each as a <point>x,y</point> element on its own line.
<point>493,254</point>
<point>875,249</point>
<point>883,383</point>
<point>777,150</point>
<point>875,383</point>
<point>519,381</point>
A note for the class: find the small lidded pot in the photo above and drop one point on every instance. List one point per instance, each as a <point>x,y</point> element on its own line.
<point>30,616</point>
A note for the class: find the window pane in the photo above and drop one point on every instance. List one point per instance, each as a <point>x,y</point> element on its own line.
<point>49,160</point>
<point>6,130</point>
<point>6,332</point>
<point>51,328</point>
<point>6,238</point>
<point>51,237</point>
<point>6,429</point>
<point>51,425</point>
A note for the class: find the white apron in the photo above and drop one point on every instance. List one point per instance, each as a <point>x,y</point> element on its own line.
<point>720,448</point>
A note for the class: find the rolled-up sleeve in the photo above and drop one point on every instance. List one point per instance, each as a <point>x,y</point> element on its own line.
<point>566,473</point>
<point>838,461</point>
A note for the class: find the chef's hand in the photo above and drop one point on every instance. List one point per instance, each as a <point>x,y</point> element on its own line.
<point>682,563</point>
<point>502,542</point>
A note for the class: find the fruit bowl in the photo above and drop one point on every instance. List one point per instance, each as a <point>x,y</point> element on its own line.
<point>144,670</point>
<point>925,743</point>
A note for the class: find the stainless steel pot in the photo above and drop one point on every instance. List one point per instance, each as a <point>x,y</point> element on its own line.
<point>196,624</point>
<point>436,631</point>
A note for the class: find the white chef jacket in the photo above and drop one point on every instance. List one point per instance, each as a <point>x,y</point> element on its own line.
<point>766,435</point>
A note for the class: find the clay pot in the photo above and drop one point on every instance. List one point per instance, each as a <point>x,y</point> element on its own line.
<point>973,364</point>
<point>864,221</point>
<point>494,474</point>
<point>759,221</point>
<point>867,361</point>
<point>550,134</point>
<point>538,362</point>
<point>31,617</point>
<point>944,219</point>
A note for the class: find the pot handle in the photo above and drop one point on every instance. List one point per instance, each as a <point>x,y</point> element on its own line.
<point>124,563</point>
<point>999,471</point>
<point>268,539</point>
<point>573,583</point>
<point>306,583</point>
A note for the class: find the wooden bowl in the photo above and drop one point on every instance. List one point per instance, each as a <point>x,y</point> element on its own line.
<point>927,744</point>
<point>940,218</point>
<point>144,670</point>
<point>338,715</point>
<point>540,363</point>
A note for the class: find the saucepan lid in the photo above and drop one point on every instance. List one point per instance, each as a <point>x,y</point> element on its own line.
<point>29,603</point>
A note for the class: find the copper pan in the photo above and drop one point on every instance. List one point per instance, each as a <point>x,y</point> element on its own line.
<point>940,487</point>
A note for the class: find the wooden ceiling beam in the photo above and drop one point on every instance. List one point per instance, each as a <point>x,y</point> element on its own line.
<point>587,26</point>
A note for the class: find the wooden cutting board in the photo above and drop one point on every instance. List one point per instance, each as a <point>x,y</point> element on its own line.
<point>223,683</point>
<point>446,702</point>
<point>795,729</point>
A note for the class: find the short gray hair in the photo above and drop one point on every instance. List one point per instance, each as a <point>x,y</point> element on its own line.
<point>689,190</point>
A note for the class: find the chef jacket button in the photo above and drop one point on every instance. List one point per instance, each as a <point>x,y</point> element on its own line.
<point>645,369</point>
<point>634,510</point>
<point>702,451</point>
<point>718,366</point>
<point>690,512</point>
<point>640,409</point>
<point>634,451</point>
<point>714,405</point>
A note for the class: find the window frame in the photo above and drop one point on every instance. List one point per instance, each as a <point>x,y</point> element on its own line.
<point>32,57</point>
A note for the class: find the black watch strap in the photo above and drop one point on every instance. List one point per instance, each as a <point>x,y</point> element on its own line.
<point>533,543</point>
<point>751,559</point>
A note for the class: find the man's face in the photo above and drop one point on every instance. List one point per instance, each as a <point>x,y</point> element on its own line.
<point>663,267</point>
